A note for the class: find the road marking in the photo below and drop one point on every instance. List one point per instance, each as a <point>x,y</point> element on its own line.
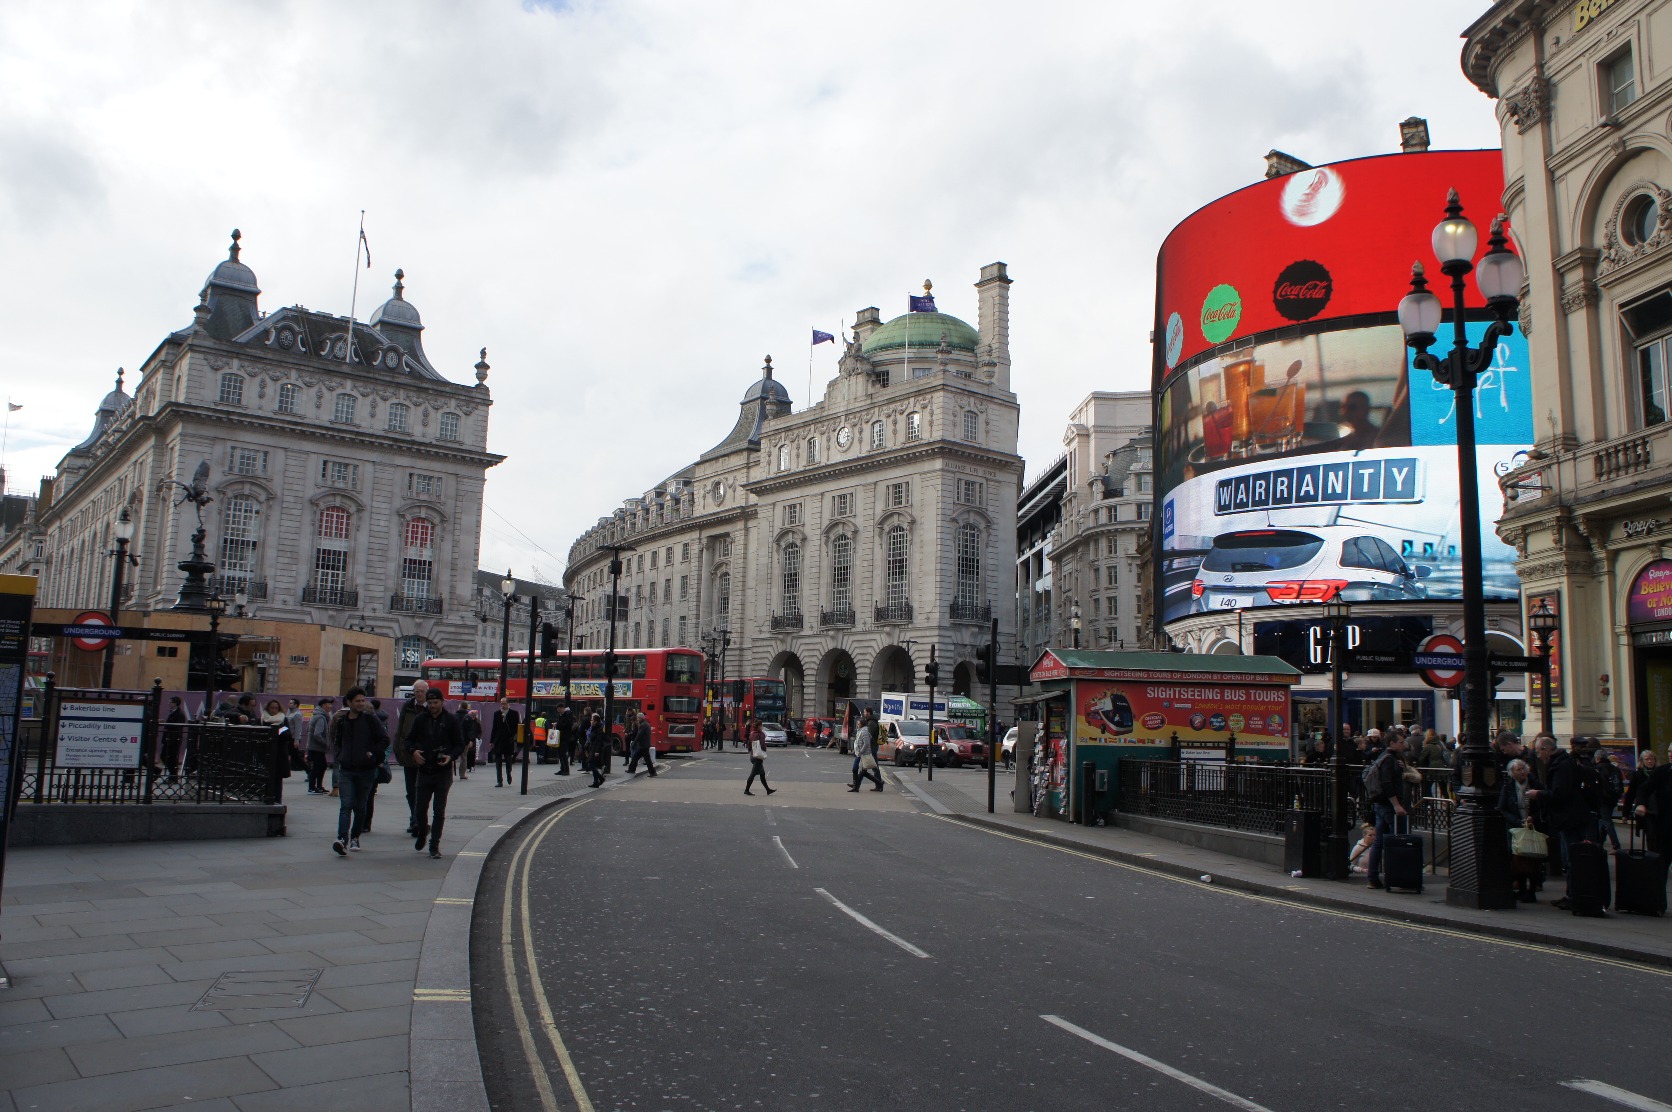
<point>1617,1095</point>
<point>779,842</point>
<point>1352,916</point>
<point>870,926</point>
<point>523,860</point>
<point>1160,1067</point>
<point>456,901</point>
<point>442,995</point>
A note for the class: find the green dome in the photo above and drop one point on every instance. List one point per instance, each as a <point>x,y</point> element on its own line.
<point>925,332</point>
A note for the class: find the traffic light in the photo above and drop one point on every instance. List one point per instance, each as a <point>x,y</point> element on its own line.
<point>548,641</point>
<point>739,688</point>
<point>931,674</point>
<point>984,663</point>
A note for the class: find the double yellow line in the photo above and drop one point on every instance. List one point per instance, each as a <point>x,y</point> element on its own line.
<point>516,885</point>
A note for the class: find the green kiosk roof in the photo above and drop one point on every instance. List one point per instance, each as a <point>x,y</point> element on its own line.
<point>1101,664</point>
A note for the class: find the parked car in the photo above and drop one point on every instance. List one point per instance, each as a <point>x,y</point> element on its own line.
<point>772,733</point>
<point>818,731</point>
<point>1265,567</point>
<point>1007,747</point>
<point>958,746</point>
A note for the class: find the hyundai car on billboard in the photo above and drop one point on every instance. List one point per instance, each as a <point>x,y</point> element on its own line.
<point>1303,458</point>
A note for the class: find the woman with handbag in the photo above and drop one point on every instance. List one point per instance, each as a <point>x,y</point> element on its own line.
<point>1528,848</point>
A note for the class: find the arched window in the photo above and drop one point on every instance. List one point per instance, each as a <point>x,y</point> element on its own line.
<point>879,435</point>
<point>399,417</point>
<point>232,389</point>
<point>331,555</point>
<point>898,566</point>
<point>449,428</point>
<point>238,537</point>
<point>722,600</point>
<point>841,573</point>
<point>290,398</point>
<point>418,558</point>
<point>969,567</point>
<point>783,457</point>
<point>412,650</point>
<point>792,579</point>
<point>914,426</point>
<point>812,450</point>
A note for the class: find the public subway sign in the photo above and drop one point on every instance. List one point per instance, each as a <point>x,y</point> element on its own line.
<point>96,733</point>
<point>1651,595</point>
<point>1370,480</point>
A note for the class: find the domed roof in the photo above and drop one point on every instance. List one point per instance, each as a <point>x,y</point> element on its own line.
<point>232,273</point>
<point>398,310</point>
<point>767,387</point>
<point>924,331</point>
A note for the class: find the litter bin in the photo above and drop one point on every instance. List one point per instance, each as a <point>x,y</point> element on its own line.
<point>1303,843</point>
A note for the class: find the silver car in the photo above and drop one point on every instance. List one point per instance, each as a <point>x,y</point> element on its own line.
<point>1276,567</point>
<point>773,733</point>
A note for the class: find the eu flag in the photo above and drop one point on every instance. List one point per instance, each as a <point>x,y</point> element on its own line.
<point>822,338</point>
<point>922,303</point>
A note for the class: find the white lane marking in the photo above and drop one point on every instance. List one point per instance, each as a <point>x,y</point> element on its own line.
<point>1617,1095</point>
<point>870,926</point>
<point>1160,1067</point>
<point>779,842</point>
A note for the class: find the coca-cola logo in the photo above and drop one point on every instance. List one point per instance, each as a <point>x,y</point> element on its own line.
<point>1302,290</point>
<point>1221,312</point>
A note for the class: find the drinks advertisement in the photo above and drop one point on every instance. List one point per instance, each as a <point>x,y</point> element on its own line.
<point>1151,714</point>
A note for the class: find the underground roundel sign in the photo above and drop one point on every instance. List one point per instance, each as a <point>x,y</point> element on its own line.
<point>1442,677</point>
<point>91,643</point>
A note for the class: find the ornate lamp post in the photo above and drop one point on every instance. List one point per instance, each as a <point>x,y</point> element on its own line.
<point>124,530</point>
<point>1480,853</point>
<point>216,606</point>
<point>507,592</point>
<point>1335,847</point>
<point>1544,623</point>
<point>1074,623</point>
<point>615,551</point>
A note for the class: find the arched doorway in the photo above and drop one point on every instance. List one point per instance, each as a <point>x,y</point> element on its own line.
<point>837,678</point>
<point>963,678</point>
<point>891,671</point>
<point>787,666</point>
<point>1226,647</point>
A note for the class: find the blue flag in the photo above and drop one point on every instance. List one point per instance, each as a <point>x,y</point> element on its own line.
<point>822,338</point>
<point>922,303</point>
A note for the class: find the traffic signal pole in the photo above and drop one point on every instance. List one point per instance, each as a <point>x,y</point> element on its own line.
<point>931,673</point>
<point>992,662</point>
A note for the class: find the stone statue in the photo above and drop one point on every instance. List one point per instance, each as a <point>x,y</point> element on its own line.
<point>197,493</point>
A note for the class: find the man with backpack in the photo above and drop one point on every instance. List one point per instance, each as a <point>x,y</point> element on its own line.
<point>1384,790</point>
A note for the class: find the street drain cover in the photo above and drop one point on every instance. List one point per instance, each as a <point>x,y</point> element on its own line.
<point>265,989</point>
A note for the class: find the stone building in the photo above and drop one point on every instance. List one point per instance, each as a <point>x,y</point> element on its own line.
<point>1583,93</point>
<point>490,613</point>
<point>1038,515</point>
<point>836,543</point>
<point>346,487</point>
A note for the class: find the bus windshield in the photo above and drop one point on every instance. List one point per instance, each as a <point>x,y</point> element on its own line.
<point>684,668</point>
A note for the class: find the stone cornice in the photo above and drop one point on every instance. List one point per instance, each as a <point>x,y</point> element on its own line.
<point>173,414</point>
<point>1504,26</point>
<point>875,461</point>
<point>667,531</point>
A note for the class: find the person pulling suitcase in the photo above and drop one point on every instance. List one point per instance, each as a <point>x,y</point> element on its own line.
<point>1384,789</point>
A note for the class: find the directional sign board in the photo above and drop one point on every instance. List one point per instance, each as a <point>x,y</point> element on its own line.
<point>1377,662</point>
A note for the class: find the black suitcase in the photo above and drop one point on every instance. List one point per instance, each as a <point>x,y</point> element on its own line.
<point>1402,858</point>
<point>1588,887</point>
<point>1639,880</point>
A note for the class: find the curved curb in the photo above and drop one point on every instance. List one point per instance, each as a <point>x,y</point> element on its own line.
<point>1277,892</point>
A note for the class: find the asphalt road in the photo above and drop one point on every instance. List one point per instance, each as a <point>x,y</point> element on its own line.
<point>687,947</point>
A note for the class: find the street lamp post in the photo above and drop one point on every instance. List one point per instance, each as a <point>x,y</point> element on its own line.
<point>724,636</point>
<point>216,605</point>
<point>1480,854</point>
<point>569,659</point>
<point>528,684</point>
<point>1335,847</point>
<point>508,592</point>
<point>124,530</point>
<point>615,551</point>
<point>1544,623</point>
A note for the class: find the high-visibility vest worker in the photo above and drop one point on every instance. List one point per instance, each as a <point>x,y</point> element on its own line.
<point>540,730</point>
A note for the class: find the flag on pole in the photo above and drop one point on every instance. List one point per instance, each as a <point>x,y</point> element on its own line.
<point>364,242</point>
<point>822,338</point>
<point>12,407</point>
<point>921,303</point>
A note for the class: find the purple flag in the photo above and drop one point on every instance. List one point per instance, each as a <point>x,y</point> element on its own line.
<point>822,338</point>
<point>922,303</point>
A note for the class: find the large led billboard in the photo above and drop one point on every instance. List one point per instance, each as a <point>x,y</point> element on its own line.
<point>1307,460</point>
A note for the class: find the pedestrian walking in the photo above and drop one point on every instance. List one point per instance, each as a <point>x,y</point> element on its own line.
<point>471,727</point>
<point>757,765</point>
<point>174,738</point>
<point>435,743</point>
<point>1517,809</point>
<point>865,755</point>
<point>358,746</point>
<point>319,743</point>
<point>410,712</point>
<point>298,723</point>
<point>639,743</point>
<point>597,748</point>
<point>1384,790</point>
<point>504,742</point>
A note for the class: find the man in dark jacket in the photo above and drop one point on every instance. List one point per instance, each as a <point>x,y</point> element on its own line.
<point>319,744</point>
<point>358,746</point>
<point>565,740</point>
<point>638,744</point>
<point>241,713</point>
<point>502,742</point>
<point>1384,790</point>
<point>1563,803</point>
<point>434,742</point>
<point>411,711</point>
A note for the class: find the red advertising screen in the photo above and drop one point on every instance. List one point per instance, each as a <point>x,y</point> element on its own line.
<point>1320,244</point>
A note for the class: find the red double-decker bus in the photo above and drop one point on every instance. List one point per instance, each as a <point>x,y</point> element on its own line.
<point>665,685</point>
<point>751,701</point>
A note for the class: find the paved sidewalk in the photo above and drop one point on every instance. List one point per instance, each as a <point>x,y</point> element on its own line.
<point>1629,937</point>
<point>250,974</point>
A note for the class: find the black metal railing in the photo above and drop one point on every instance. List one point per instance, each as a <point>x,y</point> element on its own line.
<point>972,611</point>
<point>414,605</point>
<point>198,762</point>
<point>346,597</point>
<point>786,621</point>
<point>229,585</point>
<point>842,616</point>
<point>893,612</point>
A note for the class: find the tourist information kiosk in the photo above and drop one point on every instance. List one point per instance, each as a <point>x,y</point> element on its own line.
<point>1100,706</point>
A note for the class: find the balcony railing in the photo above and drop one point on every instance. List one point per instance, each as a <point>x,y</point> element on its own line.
<point>228,585</point>
<point>972,612</point>
<point>413,604</point>
<point>1623,457</point>
<point>786,621</point>
<point>896,613</point>
<point>842,617</point>
<point>346,597</point>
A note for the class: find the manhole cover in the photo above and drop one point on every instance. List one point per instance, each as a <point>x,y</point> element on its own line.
<point>267,989</point>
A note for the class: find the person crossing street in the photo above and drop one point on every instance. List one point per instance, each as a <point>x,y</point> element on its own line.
<point>434,744</point>
<point>757,765</point>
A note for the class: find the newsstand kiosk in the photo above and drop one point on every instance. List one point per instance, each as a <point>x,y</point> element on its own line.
<point>1097,707</point>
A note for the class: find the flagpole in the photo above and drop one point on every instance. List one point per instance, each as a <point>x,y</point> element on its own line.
<point>5,438</point>
<point>810,369</point>
<point>354,297</point>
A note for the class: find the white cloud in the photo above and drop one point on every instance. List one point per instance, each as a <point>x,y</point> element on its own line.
<point>629,203</point>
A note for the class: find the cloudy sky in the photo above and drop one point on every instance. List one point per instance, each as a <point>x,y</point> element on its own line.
<point>630,202</point>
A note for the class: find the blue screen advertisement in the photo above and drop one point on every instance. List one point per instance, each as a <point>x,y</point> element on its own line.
<point>1324,467</point>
